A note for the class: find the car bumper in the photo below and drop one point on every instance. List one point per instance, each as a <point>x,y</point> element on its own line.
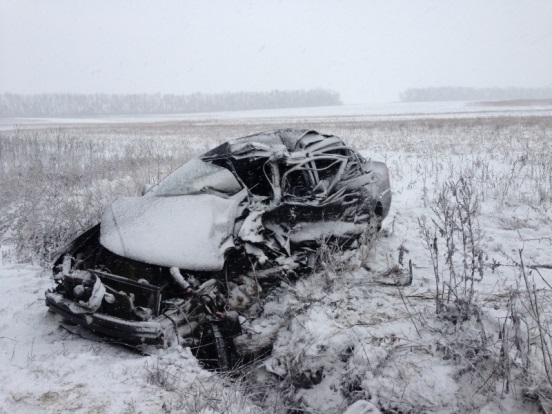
<point>133,332</point>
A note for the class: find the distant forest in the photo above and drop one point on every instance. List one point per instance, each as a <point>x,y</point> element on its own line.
<point>63,104</point>
<point>473,94</point>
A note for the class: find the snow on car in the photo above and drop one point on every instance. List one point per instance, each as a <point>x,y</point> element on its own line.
<point>188,260</point>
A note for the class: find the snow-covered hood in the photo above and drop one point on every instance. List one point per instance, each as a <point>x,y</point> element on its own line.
<point>189,232</point>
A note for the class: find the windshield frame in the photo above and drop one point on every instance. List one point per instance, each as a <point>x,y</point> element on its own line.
<point>197,177</point>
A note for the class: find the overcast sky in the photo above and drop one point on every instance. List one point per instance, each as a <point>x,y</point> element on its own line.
<point>368,51</point>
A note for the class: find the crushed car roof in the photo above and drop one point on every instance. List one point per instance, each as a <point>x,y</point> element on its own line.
<point>268,141</point>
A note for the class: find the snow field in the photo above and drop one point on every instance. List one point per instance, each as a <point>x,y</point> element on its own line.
<point>343,340</point>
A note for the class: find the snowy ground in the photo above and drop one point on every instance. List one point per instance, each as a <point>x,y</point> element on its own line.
<point>372,112</point>
<point>343,341</point>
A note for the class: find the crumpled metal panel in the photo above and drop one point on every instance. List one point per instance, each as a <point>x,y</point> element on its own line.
<point>188,232</point>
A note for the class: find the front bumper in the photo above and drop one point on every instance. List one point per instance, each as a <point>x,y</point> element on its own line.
<point>155,331</point>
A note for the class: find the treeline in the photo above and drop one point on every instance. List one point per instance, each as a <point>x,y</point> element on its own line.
<point>473,94</point>
<point>64,104</point>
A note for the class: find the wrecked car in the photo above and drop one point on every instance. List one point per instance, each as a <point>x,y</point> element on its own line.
<point>187,261</point>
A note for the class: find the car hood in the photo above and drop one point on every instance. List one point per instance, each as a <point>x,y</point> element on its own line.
<point>189,232</point>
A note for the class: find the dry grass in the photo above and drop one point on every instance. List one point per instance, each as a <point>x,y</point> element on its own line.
<point>56,182</point>
<point>60,179</point>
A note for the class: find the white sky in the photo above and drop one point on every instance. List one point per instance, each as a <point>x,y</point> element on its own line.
<point>367,50</point>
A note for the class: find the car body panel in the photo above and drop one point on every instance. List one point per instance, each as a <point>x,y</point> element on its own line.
<point>189,232</point>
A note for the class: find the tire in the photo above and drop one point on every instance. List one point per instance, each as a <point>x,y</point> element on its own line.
<point>214,349</point>
<point>224,349</point>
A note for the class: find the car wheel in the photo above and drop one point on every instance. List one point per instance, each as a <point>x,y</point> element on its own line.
<point>214,349</point>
